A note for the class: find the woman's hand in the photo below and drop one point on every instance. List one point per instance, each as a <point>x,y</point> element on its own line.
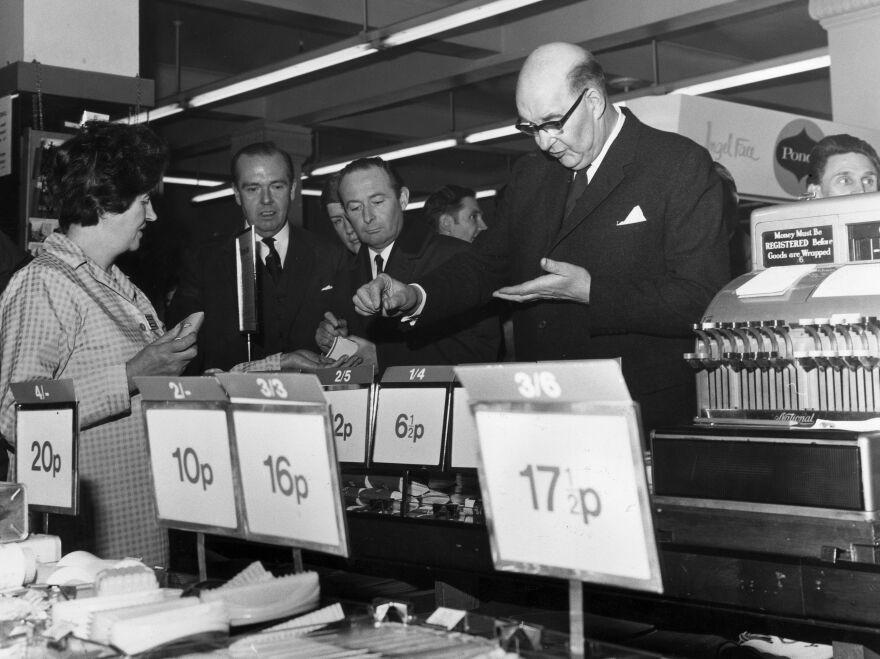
<point>167,355</point>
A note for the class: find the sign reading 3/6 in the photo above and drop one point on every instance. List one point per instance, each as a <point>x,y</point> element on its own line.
<point>192,466</point>
<point>562,491</point>
<point>409,425</point>
<point>287,486</point>
<point>46,460</point>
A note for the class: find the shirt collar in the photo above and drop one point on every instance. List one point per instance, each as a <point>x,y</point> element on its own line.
<point>282,241</point>
<point>594,166</point>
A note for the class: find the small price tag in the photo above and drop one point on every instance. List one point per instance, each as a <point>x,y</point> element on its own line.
<point>564,485</point>
<point>341,377</point>
<point>47,435</point>
<point>192,467</point>
<point>463,439</point>
<point>275,388</point>
<point>349,413</point>
<point>179,389</point>
<point>417,374</point>
<point>409,425</point>
<point>289,478</point>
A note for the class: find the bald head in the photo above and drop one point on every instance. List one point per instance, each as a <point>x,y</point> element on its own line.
<point>562,82</point>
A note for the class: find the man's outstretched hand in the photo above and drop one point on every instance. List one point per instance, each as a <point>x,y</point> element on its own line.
<point>387,296</point>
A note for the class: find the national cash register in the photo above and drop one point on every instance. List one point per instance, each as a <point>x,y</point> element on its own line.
<point>772,495</point>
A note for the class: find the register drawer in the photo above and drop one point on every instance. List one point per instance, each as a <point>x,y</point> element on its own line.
<point>824,469</point>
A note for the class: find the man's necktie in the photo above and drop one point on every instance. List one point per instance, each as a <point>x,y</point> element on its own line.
<point>575,190</point>
<point>380,263</point>
<point>273,259</point>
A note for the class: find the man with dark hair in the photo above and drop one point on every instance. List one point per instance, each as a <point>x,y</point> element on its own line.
<point>453,211</point>
<point>296,269</point>
<point>610,240</point>
<point>842,165</point>
<point>374,199</point>
<point>333,208</point>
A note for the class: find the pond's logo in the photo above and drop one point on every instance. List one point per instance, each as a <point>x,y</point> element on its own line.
<point>791,163</point>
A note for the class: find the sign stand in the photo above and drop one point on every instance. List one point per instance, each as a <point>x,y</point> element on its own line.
<point>47,436</point>
<point>563,478</point>
<point>190,457</point>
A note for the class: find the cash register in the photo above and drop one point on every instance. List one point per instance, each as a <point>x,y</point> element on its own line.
<point>773,493</point>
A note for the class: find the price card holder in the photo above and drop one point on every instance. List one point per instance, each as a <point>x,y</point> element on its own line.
<point>190,456</point>
<point>286,460</point>
<point>562,476</point>
<point>351,393</point>
<point>47,441</point>
<point>462,431</point>
<point>411,417</point>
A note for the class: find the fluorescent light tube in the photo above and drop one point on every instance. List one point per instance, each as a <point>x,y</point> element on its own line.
<point>478,13</point>
<point>152,115</point>
<point>758,75</point>
<point>184,180</point>
<point>215,194</point>
<point>491,134</point>
<point>394,154</point>
<point>286,73</point>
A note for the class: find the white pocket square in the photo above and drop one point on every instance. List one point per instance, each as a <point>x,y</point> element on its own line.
<point>328,287</point>
<point>635,216</point>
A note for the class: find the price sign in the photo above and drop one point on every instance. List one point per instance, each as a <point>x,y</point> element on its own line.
<point>564,483</point>
<point>46,438</point>
<point>190,457</point>
<point>409,426</point>
<point>349,391</point>
<point>463,439</point>
<point>349,417</point>
<point>289,478</point>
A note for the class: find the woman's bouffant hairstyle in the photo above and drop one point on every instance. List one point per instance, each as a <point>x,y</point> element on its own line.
<point>103,169</point>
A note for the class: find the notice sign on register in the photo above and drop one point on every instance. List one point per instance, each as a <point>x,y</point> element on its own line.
<point>796,246</point>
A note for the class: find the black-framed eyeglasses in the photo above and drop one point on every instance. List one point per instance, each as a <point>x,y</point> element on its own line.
<point>554,127</point>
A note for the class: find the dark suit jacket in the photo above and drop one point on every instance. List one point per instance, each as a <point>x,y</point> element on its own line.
<point>469,337</point>
<point>208,283</point>
<point>651,279</point>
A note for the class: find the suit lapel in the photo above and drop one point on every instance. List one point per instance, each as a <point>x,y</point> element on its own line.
<point>609,175</point>
<point>298,264</point>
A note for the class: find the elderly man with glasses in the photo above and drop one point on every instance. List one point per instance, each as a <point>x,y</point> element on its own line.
<point>610,239</point>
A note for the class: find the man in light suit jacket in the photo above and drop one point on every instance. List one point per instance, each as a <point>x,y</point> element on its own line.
<point>296,270</point>
<point>624,273</point>
<point>374,199</point>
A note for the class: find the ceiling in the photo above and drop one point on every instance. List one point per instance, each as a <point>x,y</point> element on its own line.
<point>454,82</point>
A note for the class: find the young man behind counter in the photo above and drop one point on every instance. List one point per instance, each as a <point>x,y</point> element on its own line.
<point>296,271</point>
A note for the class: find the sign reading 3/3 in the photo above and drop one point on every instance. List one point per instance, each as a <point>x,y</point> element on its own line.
<point>348,418</point>
<point>286,482</point>
<point>192,466</point>
<point>563,491</point>
<point>46,463</point>
<point>409,425</point>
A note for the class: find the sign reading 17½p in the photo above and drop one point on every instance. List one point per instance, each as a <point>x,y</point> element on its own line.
<point>561,472</point>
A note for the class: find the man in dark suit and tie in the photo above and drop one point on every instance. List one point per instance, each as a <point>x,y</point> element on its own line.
<point>374,199</point>
<point>621,270</point>
<point>296,270</point>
